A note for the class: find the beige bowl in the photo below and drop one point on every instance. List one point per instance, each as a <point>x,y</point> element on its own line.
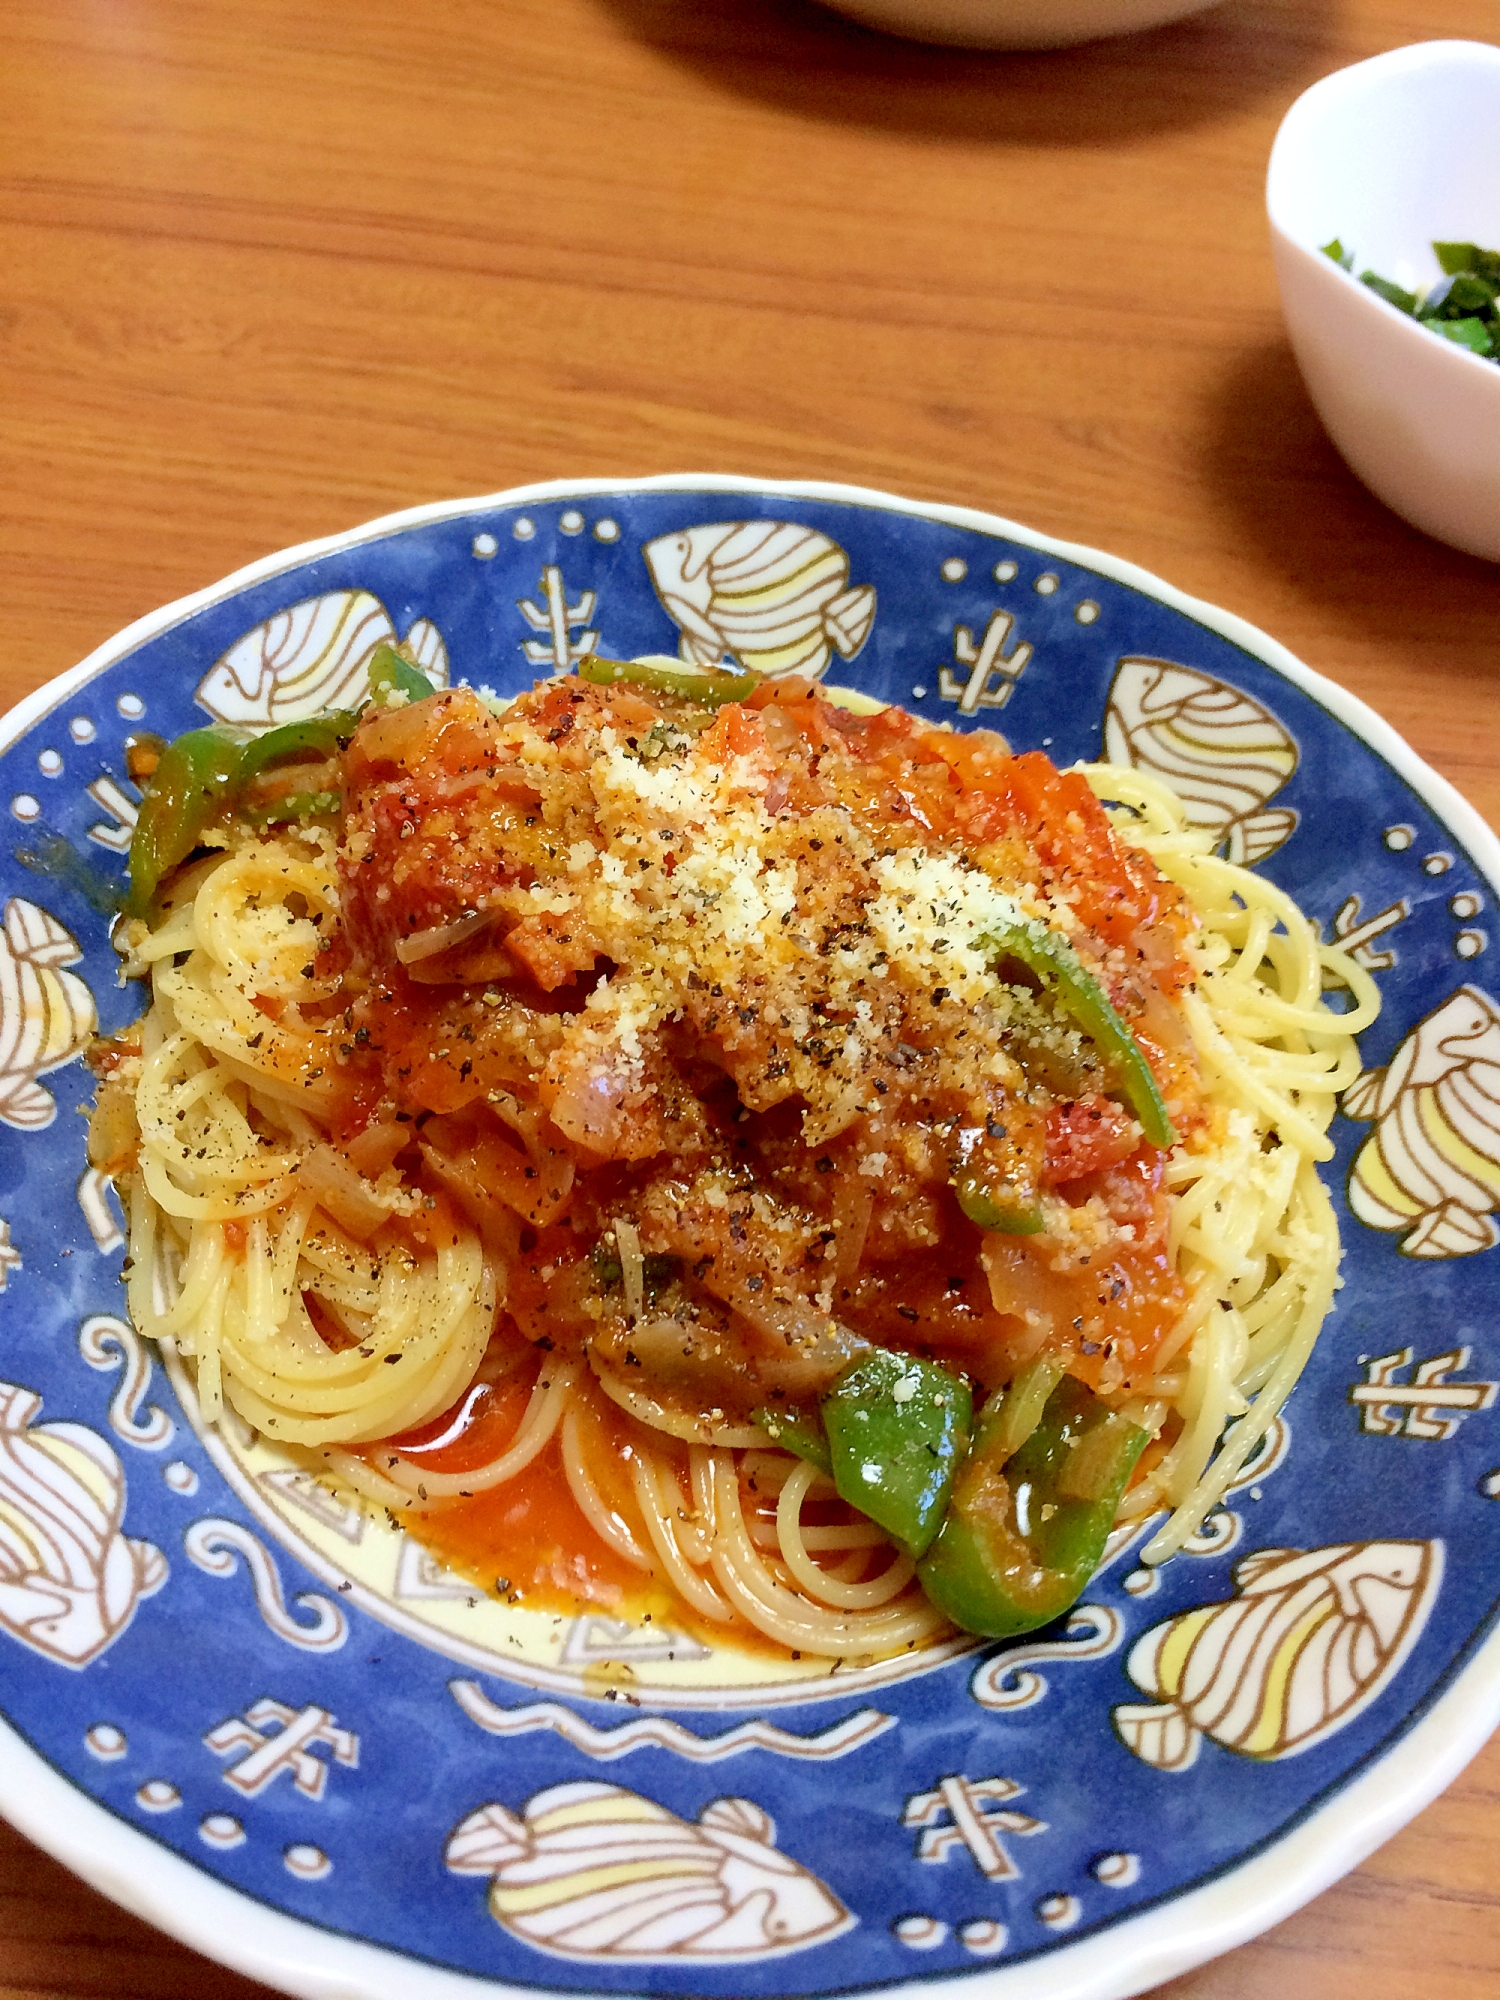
<point>1015,24</point>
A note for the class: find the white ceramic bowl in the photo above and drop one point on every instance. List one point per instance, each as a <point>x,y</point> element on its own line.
<point>1388,156</point>
<point>1015,24</point>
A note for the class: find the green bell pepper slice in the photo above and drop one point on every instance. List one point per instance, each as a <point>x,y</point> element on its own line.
<point>1057,965</point>
<point>896,1430</point>
<point>1011,1415</point>
<point>322,735</point>
<point>709,687</point>
<point>207,769</point>
<point>798,1431</point>
<point>991,1209</point>
<point>1028,1521</point>
<point>194,778</point>
<point>390,674</point>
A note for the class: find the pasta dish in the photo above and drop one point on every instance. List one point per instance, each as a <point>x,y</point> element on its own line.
<point>685,1141</point>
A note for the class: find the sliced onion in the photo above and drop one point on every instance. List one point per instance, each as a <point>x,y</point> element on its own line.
<point>390,737</point>
<point>427,944</point>
<point>791,1322</point>
<point>534,1128</point>
<point>632,1266</point>
<point>370,1152</point>
<point>588,1110</point>
<point>486,1202</point>
<point>853,1207</point>
<point>675,1423</point>
<point>113,1131</point>
<point>806,1351</point>
<point>342,1193</point>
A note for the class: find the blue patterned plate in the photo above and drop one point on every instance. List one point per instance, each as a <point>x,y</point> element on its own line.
<point>281,1731</point>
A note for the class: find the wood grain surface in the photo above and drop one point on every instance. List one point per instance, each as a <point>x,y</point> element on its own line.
<point>269,269</point>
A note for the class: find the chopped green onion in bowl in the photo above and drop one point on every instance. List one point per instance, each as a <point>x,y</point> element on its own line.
<point>1461,306</point>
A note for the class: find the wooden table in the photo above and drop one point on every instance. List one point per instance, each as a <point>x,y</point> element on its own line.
<point>268,270</point>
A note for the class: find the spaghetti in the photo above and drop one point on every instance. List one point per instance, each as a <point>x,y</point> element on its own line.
<point>540,1114</point>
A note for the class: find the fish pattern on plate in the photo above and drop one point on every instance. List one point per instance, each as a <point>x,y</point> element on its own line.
<point>312,657</point>
<point>1431,1167</point>
<point>1307,1641</point>
<point>594,1871</point>
<point>70,1579</point>
<point>1224,754</point>
<point>47,1013</point>
<point>773,595</point>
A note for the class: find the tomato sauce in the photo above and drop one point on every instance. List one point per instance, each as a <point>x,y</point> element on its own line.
<point>525,1541</point>
<point>545,1002</point>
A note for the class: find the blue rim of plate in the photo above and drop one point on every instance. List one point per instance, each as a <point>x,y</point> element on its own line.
<point>949,1837</point>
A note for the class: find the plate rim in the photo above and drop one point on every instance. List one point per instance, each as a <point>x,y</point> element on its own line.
<point>1243,1899</point>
